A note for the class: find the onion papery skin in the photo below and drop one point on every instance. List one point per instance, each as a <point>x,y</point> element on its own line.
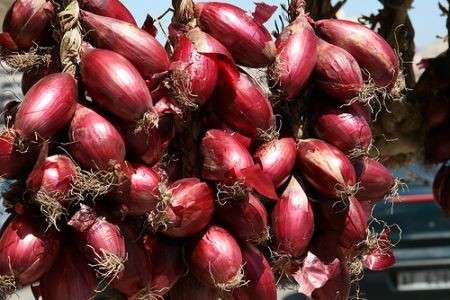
<point>28,22</point>
<point>369,49</point>
<point>139,47</point>
<point>344,128</point>
<point>346,223</point>
<point>247,220</point>
<point>259,273</point>
<point>190,209</point>
<point>95,142</point>
<point>216,258</point>
<point>325,167</point>
<point>47,107</point>
<point>14,162</point>
<point>247,40</point>
<point>375,180</point>
<point>108,8</point>
<point>137,274</point>
<point>241,103</point>
<point>167,264</point>
<point>143,193</point>
<point>293,221</point>
<point>196,70</point>
<point>441,188</point>
<point>277,159</point>
<point>296,58</point>
<point>437,148</point>
<point>27,249</point>
<point>337,72</point>
<point>115,84</point>
<point>70,275</point>
<point>336,288</point>
<point>188,288</point>
<point>223,153</point>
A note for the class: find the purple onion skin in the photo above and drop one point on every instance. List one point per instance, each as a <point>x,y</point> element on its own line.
<point>325,167</point>
<point>258,271</point>
<point>108,8</point>
<point>115,84</point>
<point>293,221</point>
<point>28,22</point>
<point>375,180</point>
<point>296,58</point>
<point>13,162</point>
<point>369,49</point>
<point>27,249</point>
<point>344,128</point>
<point>47,107</point>
<point>189,288</point>
<point>135,44</point>
<point>249,42</point>
<point>337,72</point>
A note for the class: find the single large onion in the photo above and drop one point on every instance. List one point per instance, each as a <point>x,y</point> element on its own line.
<point>337,73</point>
<point>326,168</point>
<point>437,148</point>
<point>70,275</point>
<point>27,251</point>
<point>95,143</point>
<point>108,8</point>
<point>241,103</point>
<point>101,241</point>
<point>47,107</point>
<point>27,22</point>
<point>344,128</point>
<point>189,288</point>
<point>247,220</point>
<point>135,44</point>
<point>116,85</point>
<point>441,188</point>
<point>370,50</point>
<point>13,161</point>
<point>245,37</point>
<point>258,272</point>
<point>216,259</point>
<point>375,180</point>
<point>277,159</point>
<point>296,58</point>
<point>293,221</point>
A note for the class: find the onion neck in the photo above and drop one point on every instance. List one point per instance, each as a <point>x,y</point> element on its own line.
<point>296,9</point>
<point>184,13</point>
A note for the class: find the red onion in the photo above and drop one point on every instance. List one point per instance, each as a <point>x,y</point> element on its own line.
<point>27,251</point>
<point>70,275</point>
<point>101,241</point>
<point>216,259</point>
<point>52,182</point>
<point>14,162</point>
<point>277,159</point>
<point>437,148</point>
<point>293,221</point>
<point>247,220</point>
<point>296,58</point>
<point>193,74</point>
<point>108,8</point>
<point>375,180</point>
<point>362,110</point>
<point>441,188</point>
<point>136,45</point>
<point>380,257</point>
<point>326,168</point>
<point>337,73</point>
<point>95,143</point>
<point>31,76</point>
<point>258,272</point>
<point>369,49</point>
<point>187,208</point>
<point>241,104</point>
<point>167,264</point>
<point>189,288</point>
<point>346,222</point>
<point>337,287</point>
<point>47,107</point>
<point>245,37</point>
<point>27,22</point>
<point>344,128</point>
<point>115,85</point>
<point>143,194</point>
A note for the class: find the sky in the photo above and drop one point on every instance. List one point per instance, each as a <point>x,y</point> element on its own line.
<point>425,14</point>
